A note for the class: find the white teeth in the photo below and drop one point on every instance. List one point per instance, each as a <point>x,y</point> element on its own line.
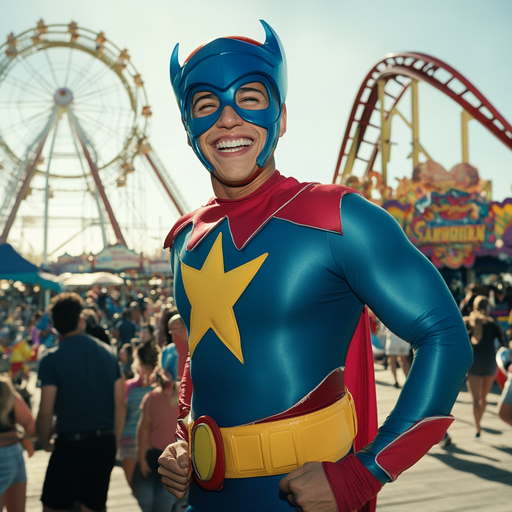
<point>231,146</point>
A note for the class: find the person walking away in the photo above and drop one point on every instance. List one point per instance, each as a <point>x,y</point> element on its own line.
<point>13,478</point>
<point>482,331</point>
<point>81,384</point>
<point>146,359</point>
<point>155,431</point>
<point>125,329</point>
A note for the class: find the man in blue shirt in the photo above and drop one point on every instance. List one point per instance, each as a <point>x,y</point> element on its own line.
<point>81,385</point>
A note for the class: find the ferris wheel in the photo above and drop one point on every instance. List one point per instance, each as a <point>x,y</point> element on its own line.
<point>73,129</point>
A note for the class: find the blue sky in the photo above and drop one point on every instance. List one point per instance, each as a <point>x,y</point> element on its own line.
<point>330,47</point>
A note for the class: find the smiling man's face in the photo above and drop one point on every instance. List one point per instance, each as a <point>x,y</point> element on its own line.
<point>232,145</point>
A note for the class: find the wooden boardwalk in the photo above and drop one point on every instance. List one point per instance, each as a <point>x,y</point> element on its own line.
<point>469,475</point>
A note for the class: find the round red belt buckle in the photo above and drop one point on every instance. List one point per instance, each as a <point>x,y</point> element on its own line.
<point>207,454</point>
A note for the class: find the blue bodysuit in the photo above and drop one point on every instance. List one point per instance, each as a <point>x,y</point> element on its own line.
<point>295,293</point>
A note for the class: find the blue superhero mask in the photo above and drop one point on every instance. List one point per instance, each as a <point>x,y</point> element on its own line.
<point>222,66</point>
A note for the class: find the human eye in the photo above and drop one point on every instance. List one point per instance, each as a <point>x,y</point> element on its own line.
<point>204,104</point>
<point>252,96</point>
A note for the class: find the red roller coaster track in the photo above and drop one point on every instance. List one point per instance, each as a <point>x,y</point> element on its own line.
<point>416,66</point>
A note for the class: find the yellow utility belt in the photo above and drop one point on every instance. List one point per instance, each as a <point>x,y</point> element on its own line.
<point>276,447</point>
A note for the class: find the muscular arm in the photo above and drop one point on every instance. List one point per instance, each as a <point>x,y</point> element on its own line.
<point>44,425</point>
<point>408,295</point>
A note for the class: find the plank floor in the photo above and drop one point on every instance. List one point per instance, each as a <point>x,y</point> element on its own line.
<point>469,475</point>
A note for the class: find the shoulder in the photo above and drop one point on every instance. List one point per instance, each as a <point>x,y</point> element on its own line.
<point>323,196</point>
<point>51,352</point>
<point>46,361</point>
<point>179,226</point>
<point>150,397</point>
<point>361,217</point>
<point>93,342</point>
<point>131,384</point>
<point>314,205</point>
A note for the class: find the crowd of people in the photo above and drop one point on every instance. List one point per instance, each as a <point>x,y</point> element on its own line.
<point>149,346</point>
<point>146,349</point>
<point>108,393</point>
<point>487,314</point>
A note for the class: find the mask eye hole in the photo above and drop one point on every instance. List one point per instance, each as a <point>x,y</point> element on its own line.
<point>204,103</point>
<point>252,96</point>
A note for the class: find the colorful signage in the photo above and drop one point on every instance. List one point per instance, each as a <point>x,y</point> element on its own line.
<point>117,258</point>
<point>73,264</point>
<point>448,215</point>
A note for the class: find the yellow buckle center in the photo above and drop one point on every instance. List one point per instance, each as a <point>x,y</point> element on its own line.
<point>204,452</point>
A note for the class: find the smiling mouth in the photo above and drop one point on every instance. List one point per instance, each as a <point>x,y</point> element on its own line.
<point>232,146</point>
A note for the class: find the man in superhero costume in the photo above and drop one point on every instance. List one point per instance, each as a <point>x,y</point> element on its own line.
<point>271,278</point>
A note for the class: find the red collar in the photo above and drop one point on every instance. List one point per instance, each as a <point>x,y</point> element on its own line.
<point>307,204</point>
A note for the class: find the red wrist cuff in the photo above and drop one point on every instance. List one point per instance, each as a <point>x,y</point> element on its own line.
<point>352,484</point>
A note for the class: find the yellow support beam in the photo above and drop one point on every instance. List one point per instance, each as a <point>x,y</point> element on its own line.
<point>349,164</point>
<point>384,133</point>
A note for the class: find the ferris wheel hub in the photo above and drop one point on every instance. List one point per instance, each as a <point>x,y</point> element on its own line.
<point>63,97</point>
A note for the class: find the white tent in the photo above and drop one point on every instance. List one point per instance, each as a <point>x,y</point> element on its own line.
<point>101,278</point>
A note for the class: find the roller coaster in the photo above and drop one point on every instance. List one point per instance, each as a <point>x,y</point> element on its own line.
<point>380,93</point>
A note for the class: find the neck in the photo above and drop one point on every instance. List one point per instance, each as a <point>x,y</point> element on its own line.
<point>78,330</point>
<point>226,190</point>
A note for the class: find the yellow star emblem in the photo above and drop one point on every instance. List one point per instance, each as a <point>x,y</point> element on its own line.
<point>212,293</point>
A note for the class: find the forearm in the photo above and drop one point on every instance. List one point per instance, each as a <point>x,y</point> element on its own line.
<point>44,430</point>
<point>142,440</point>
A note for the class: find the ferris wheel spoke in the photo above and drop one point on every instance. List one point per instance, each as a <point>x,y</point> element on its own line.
<point>68,68</point>
<point>94,78</point>
<point>97,122</point>
<point>16,104</point>
<point>81,74</point>
<point>37,74</point>
<point>23,85</point>
<point>52,70</point>
<point>102,108</point>
<point>25,121</point>
<point>105,91</point>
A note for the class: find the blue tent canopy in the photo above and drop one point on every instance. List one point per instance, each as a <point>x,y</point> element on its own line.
<point>14,266</point>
